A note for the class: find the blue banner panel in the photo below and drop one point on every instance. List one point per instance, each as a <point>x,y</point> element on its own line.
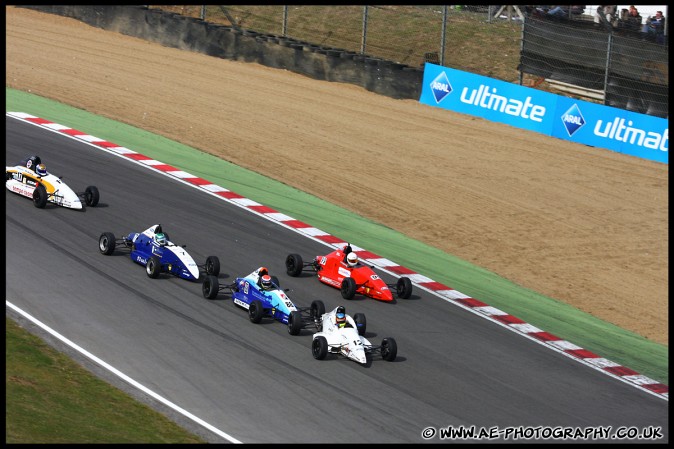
<point>640,135</point>
<point>566,118</point>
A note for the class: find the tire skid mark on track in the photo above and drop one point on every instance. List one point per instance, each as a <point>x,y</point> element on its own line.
<point>438,289</point>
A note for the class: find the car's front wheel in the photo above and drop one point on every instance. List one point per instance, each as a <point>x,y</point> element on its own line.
<point>91,196</point>
<point>317,309</point>
<point>210,287</point>
<point>389,349</point>
<point>294,265</point>
<point>106,243</point>
<point>212,265</point>
<point>153,267</point>
<point>319,347</point>
<point>294,323</point>
<point>404,287</point>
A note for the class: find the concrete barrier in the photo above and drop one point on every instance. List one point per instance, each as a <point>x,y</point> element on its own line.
<point>186,33</point>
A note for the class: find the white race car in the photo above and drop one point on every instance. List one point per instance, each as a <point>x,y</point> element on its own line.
<point>31,179</point>
<point>348,340</point>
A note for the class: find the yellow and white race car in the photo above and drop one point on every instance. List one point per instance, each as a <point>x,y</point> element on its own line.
<point>31,179</point>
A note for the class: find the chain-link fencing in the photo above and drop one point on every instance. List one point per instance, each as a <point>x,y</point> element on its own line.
<point>505,42</point>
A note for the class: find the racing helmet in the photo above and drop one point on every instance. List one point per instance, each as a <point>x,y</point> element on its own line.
<point>160,238</point>
<point>265,282</point>
<point>340,314</point>
<point>352,259</point>
<point>41,170</point>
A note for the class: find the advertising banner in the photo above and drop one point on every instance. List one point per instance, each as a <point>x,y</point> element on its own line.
<point>566,118</point>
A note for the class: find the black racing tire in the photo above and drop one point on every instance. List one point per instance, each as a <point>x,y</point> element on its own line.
<point>319,347</point>
<point>294,265</point>
<point>255,311</point>
<point>106,243</point>
<point>91,196</point>
<point>210,287</point>
<point>348,288</point>
<point>404,287</point>
<point>294,323</point>
<point>317,309</point>
<point>389,349</point>
<point>40,196</point>
<point>212,265</point>
<point>361,323</point>
<point>153,267</point>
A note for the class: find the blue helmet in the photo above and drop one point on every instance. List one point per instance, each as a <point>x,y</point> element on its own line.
<point>340,314</point>
<point>41,170</point>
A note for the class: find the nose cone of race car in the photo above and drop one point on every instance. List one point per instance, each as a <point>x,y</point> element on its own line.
<point>190,270</point>
<point>69,197</point>
<point>359,355</point>
<point>385,295</point>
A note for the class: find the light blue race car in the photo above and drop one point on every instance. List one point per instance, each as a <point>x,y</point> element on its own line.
<point>153,249</point>
<point>262,296</point>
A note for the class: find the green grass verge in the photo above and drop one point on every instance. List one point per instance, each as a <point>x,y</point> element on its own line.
<point>51,399</point>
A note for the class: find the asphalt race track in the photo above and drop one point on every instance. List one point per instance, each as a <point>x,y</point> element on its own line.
<point>258,383</point>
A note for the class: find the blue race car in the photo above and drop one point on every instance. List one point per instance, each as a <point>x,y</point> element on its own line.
<point>153,249</point>
<point>262,296</point>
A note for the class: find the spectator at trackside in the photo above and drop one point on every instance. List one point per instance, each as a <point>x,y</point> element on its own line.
<point>608,11</point>
<point>655,27</point>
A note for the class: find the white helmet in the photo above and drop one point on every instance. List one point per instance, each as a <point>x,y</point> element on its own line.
<point>352,259</point>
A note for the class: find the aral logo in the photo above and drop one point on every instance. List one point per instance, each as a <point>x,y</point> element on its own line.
<point>573,120</point>
<point>440,87</point>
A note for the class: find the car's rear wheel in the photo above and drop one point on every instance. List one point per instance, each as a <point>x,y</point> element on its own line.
<point>404,287</point>
<point>294,323</point>
<point>91,196</point>
<point>210,287</point>
<point>389,349</point>
<point>106,243</point>
<point>319,347</point>
<point>40,196</point>
<point>348,288</point>
<point>212,265</point>
<point>255,311</point>
<point>361,323</point>
<point>294,265</point>
<point>153,267</point>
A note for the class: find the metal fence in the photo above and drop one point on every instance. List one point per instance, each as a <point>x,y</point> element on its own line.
<point>488,40</point>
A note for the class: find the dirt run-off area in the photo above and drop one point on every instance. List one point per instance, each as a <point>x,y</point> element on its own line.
<point>583,225</point>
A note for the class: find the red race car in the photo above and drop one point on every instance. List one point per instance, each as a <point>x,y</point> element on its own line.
<point>341,269</point>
